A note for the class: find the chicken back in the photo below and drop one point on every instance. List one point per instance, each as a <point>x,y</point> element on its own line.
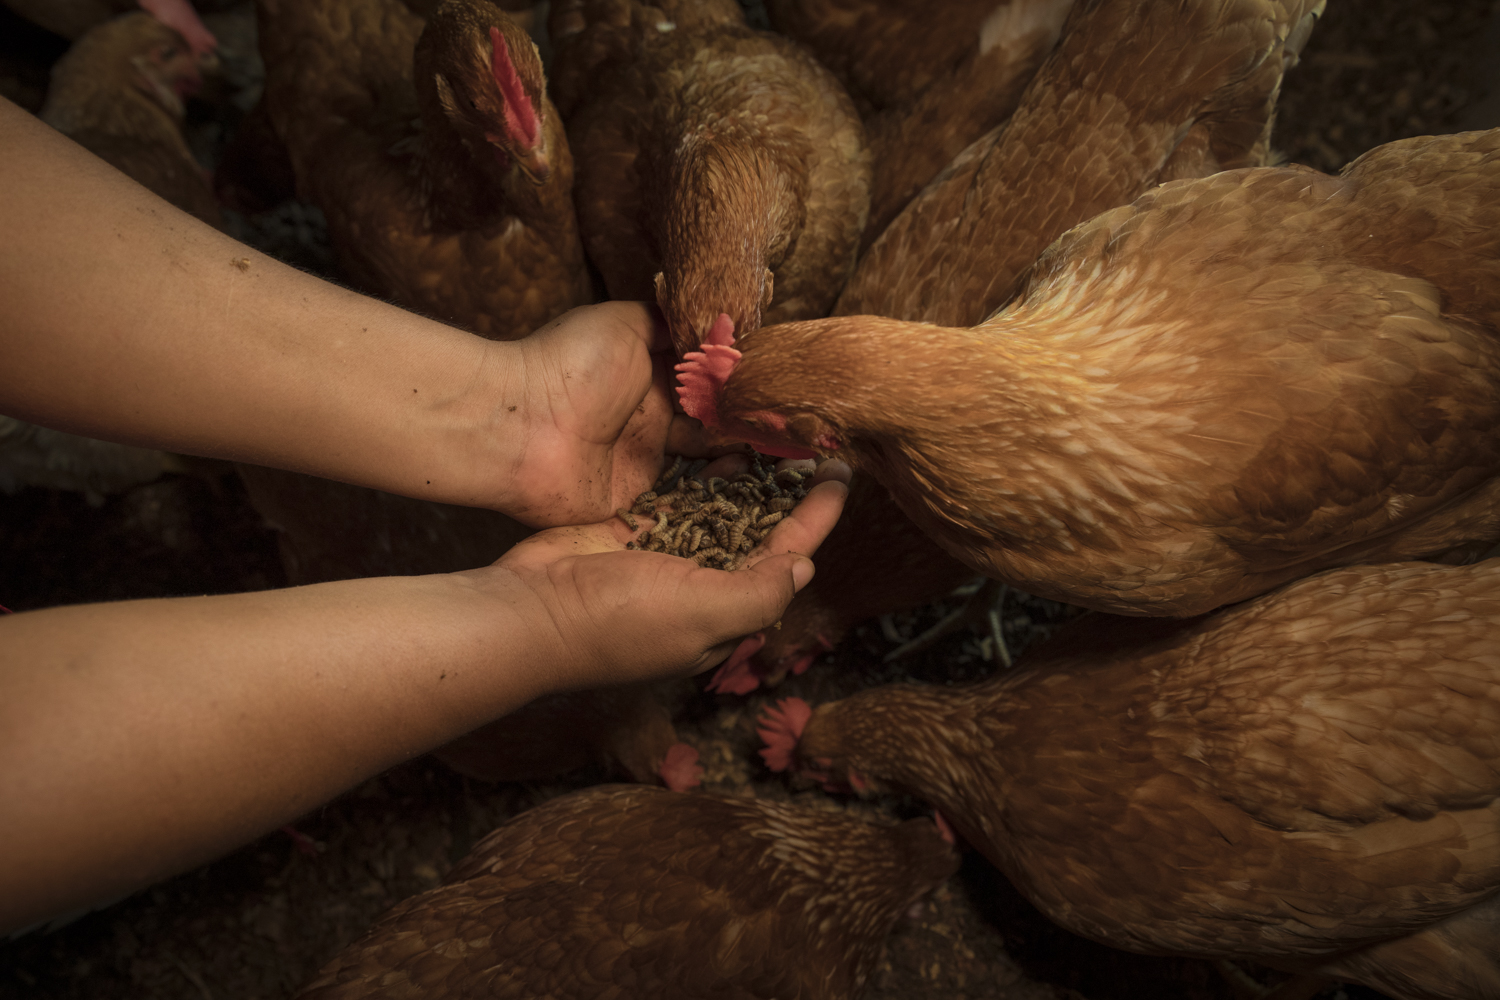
<point>1136,93</point>
<point>926,86</point>
<point>1232,383</point>
<point>635,891</point>
<point>1310,780</point>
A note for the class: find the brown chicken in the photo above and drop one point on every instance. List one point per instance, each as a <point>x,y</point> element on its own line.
<point>434,153</point>
<point>926,85</point>
<point>1135,94</point>
<point>1232,383</point>
<point>1150,104</point>
<point>720,170</point>
<point>615,892</point>
<point>1310,780</point>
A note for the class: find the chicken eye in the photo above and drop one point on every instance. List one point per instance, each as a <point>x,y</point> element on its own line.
<point>169,52</point>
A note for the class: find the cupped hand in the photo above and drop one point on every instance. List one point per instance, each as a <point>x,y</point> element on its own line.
<point>604,614</point>
<point>592,418</point>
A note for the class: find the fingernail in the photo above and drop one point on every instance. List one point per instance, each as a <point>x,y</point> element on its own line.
<point>802,573</point>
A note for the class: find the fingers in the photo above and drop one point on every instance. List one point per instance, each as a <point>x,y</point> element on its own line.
<point>746,600</point>
<point>804,529</point>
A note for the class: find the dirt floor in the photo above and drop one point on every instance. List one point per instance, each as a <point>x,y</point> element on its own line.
<point>257,923</point>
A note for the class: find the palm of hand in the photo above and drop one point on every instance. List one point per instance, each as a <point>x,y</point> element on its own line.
<point>597,415</point>
<point>613,616</point>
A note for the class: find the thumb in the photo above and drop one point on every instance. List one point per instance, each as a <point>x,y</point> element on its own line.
<point>747,600</point>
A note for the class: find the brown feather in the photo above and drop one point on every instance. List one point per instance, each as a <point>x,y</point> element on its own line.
<point>636,891</point>
<point>1310,780</point>
<point>1227,385</point>
<point>725,160</point>
<point>1135,93</point>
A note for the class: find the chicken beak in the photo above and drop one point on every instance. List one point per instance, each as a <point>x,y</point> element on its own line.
<point>535,166</point>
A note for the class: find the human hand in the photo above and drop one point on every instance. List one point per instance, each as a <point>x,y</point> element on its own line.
<point>592,391</point>
<point>605,615</point>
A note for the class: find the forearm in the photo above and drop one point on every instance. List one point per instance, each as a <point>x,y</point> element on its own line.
<point>129,320</point>
<point>141,738</point>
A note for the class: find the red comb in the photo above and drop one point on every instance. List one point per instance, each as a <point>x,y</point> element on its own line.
<point>520,116</point>
<point>679,770</point>
<point>735,675</point>
<point>781,727</point>
<point>703,373</point>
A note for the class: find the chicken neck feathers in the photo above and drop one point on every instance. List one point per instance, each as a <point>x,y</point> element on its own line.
<point>724,159</point>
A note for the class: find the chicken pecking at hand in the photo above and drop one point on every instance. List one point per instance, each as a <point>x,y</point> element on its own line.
<point>1232,383</point>
<point>433,151</point>
<point>720,170</point>
<point>641,892</point>
<point>1134,94</point>
<point>1310,780</point>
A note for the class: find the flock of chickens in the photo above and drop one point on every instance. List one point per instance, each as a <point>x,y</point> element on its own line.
<point>1024,265</point>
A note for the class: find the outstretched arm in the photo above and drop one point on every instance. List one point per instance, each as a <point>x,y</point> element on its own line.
<point>128,320</point>
<point>140,738</point>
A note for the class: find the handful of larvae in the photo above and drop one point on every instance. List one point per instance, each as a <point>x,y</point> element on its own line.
<point>715,522</point>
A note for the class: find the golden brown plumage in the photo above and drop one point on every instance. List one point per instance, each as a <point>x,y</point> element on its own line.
<point>1135,94</point>
<point>434,153</point>
<point>1310,780</point>
<point>1229,384</point>
<point>1132,89</point>
<point>927,81</point>
<point>724,160</point>
<point>637,891</point>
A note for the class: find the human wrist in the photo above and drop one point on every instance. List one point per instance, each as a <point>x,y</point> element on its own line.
<point>526,655</point>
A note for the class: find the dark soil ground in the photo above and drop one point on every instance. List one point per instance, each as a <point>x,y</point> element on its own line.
<point>257,923</point>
